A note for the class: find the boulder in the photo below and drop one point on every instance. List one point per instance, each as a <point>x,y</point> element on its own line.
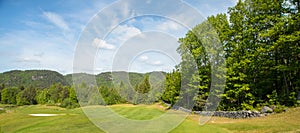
<point>266,109</point>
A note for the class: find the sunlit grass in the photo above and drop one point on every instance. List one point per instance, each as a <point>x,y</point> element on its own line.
<point>142,112</point>
<point>74,120</point>
<point>19,120</point>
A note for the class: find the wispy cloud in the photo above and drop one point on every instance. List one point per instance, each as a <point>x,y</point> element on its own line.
<point>155,63</point>
<point>56,19</point>
<point>102,44</point>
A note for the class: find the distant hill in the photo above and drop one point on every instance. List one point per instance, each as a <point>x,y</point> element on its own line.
<point>44,78</point>
<point>36,78</point>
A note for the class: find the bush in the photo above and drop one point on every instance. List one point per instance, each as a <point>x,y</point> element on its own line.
<point>292,99</point>
<point>50,103</point>
<point>279,108</point>
<point>68,103</point>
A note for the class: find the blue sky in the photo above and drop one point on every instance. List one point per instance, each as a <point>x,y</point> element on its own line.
<point>43,34</point>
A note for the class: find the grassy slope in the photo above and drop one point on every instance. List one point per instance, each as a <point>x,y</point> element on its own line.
<point>18,120</point>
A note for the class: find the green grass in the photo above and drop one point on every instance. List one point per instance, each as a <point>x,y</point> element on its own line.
<point>18,120</point>
<point>142,112</point>
<point>74,120</point>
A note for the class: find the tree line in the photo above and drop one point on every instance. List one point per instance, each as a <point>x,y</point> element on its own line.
<point>56,94</point>
<point>82,94</point>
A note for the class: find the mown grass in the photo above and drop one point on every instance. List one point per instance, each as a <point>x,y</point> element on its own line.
<point>141,112</point>
<point>18,120</point>
<point>74,120</point>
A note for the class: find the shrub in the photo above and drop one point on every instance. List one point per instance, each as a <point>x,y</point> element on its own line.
<point>279,108</point>
<point>68,103</point>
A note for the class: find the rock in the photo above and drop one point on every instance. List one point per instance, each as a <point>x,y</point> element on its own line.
<point>1,109</point>
<point>266,109</point>
<point>262,115</point>
<point>256,113</point>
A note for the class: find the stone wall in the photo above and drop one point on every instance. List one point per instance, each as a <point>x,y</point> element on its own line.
<point>228,114</point>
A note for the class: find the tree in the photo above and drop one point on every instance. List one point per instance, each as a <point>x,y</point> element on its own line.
<point>55,92</point>
<point>27,96</point>
<point>173,85</point>
<point>42,96</point>
<point>264,47</point>
<point>144,86</point>
<point>9,95</point>
<point>1,88</point>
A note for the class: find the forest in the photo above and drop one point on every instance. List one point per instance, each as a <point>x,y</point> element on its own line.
<point>261,51</point>
<point>259,59</point>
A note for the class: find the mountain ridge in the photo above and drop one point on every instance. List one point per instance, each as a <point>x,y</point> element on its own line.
<point>45,78</point>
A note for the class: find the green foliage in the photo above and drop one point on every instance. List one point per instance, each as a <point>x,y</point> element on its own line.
<point>42,96</point>
<point>273,98</point>
<point>1,88</point>
<point>9,95</point>
<point>55,91</point>
<point>261,44</point>
<point>27,96</point>
<point>34,78</point>
<point>292,99</point>
<point>279,108</point>
<point>144,86</point>
<point>172,88</point>
<point>110,96</point>
<point>69,103</point>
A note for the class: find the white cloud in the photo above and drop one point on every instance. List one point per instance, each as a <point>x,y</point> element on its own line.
<point>169,25</point>
<point>56,20</point>
<point>143,58</point>
<point>156,63</point>
<point>123,33</point>
<point>27,60</point>
<point>102,44</point>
